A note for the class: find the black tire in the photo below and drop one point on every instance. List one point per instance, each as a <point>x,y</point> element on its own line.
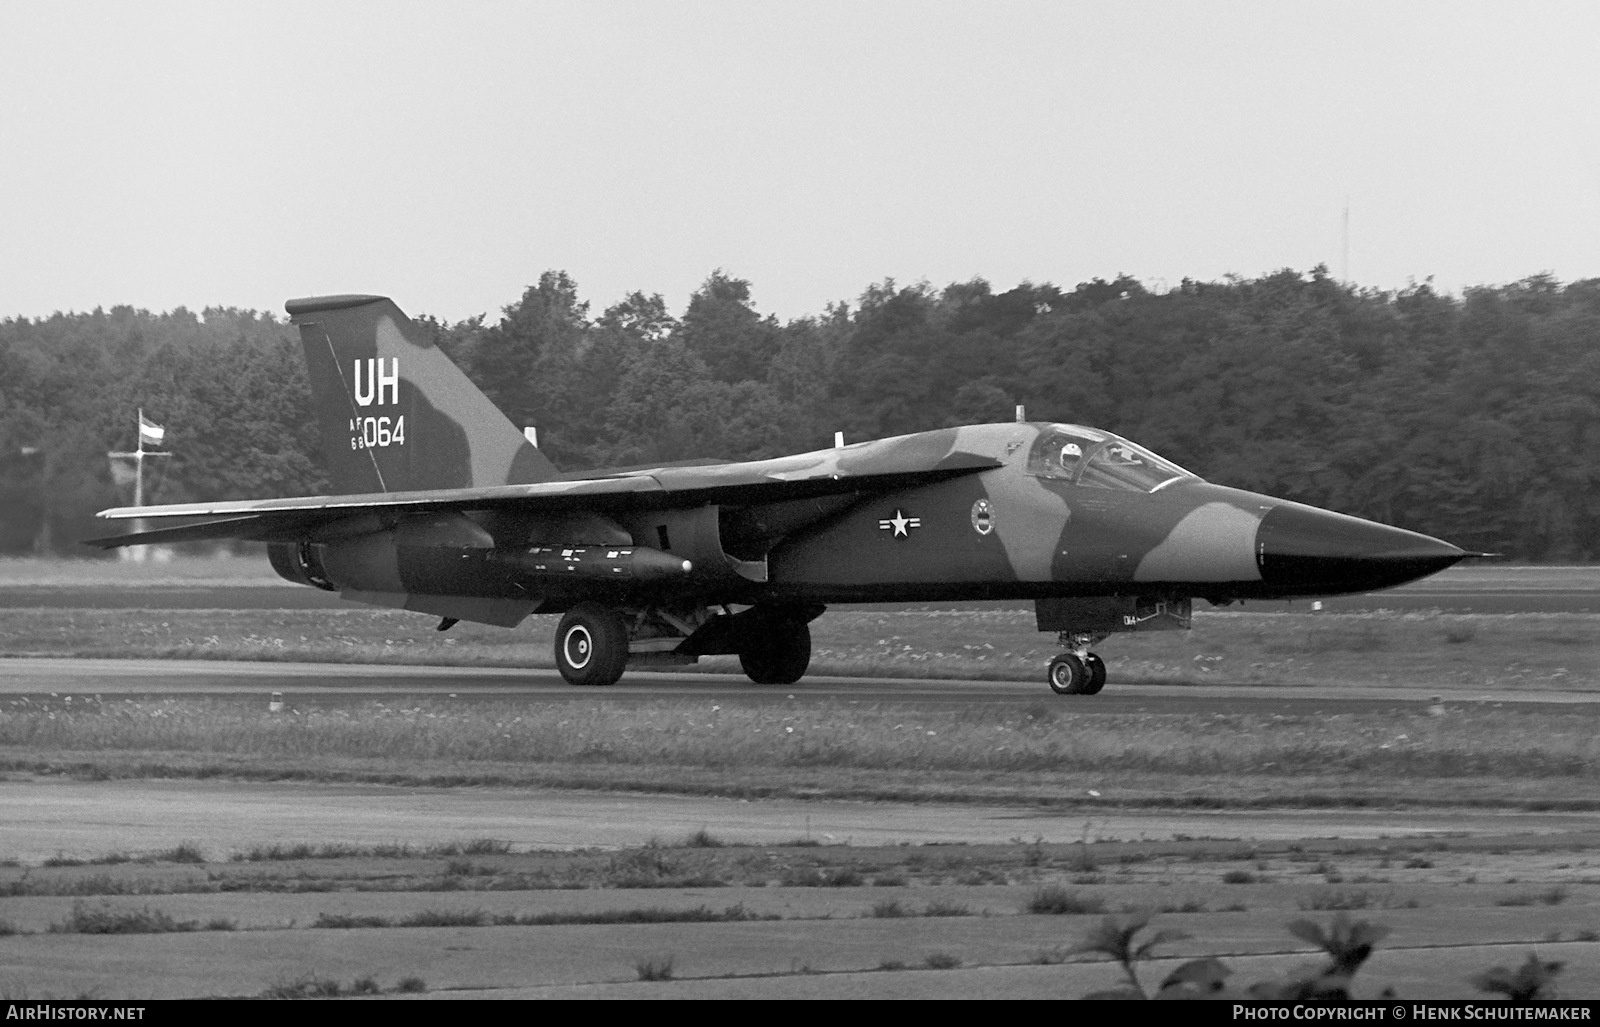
<point>1067,675</point>
<point>778,654</point>
<point>1097,674</point>
<point>592,645</point>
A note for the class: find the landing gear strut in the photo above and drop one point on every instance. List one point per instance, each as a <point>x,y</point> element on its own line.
<point>1077,672</point>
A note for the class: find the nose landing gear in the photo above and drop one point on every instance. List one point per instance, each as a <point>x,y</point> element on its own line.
<point>1078,671</point>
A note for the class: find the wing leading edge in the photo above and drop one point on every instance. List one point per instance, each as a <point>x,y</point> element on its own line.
<point>811,475</point>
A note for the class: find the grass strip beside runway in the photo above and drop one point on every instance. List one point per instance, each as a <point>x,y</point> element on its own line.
<point>1470,756</point>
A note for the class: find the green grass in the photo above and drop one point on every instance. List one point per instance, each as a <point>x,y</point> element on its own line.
<point>312,986</point>
<point>446,918</point>
<point>345,921</point>
<point>305,987</point>
<point>1340,900</point>
<point>105,919</point>
<point>97,884</point>
<point>655,968</point>
<point>701,914</point>
<point>278,852</point>
<point>640,868</point>
<point>702,839</point>
<point>735,913</point>
<point>1549,897</point>
<point>826,735</point>
<point>183,852</point>
<point>1056,900</point>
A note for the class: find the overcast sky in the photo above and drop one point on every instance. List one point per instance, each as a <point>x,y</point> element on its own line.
<point>446,153</point>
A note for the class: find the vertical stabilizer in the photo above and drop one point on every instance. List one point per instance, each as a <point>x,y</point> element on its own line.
<point>396,415</point>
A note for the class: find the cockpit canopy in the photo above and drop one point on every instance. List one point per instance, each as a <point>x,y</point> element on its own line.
<point>1088,456</point>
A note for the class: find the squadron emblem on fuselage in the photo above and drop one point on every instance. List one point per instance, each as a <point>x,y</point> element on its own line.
<point>982,517</point>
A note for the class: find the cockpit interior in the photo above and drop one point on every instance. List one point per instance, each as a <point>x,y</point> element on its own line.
<point>1085,456</point>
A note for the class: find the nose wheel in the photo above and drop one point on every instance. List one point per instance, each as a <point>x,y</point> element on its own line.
<point>1079,672</point>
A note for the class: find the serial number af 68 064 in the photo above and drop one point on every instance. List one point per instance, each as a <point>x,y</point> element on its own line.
<point>377,432</point>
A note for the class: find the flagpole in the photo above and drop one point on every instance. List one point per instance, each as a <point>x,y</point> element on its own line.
<point>138,471</point>
<point>137,554</point>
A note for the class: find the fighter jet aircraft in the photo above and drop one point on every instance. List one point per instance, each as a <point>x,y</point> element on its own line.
<point>442,506</point>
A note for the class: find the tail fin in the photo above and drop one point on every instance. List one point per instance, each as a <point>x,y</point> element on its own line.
<point>396,415</point>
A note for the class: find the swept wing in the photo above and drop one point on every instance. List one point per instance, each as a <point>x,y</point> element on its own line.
<point>866,468</point>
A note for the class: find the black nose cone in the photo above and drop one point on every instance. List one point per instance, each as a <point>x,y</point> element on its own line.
<point>1304,551</point>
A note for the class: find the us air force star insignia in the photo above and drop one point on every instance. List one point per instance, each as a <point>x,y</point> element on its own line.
<point>900,523</point>
<point>982,517</point>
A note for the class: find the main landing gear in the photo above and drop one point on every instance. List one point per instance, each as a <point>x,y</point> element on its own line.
<point>592,645</point>
<point>1078,671</point>
<point>596,643</point>
<point>778,653</point>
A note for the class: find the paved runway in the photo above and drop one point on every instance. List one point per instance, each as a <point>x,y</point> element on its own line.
<point>345,684</point>
<point>46,816</point>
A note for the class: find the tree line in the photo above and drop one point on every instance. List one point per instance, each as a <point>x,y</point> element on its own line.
<point>1475,418</point>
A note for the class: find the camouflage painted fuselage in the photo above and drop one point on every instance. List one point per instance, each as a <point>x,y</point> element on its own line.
<point>1009,533</point>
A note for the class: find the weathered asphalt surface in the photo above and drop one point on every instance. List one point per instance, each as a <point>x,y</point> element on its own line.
<point>44,817</point>
<point>332,684</point>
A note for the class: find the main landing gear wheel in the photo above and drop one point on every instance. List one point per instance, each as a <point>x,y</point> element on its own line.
<point>592,645</point>
<point>1097,674</point>
<point>1069,675</point>
<point>778,654</point>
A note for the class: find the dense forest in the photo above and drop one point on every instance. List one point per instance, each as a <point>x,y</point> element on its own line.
<point>1474,418</point>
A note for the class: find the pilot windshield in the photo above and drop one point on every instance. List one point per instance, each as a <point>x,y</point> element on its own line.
<point>1059,453</point>
<point>1071,453</point>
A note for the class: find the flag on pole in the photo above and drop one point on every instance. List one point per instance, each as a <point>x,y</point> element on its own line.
<point>150,433</point>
